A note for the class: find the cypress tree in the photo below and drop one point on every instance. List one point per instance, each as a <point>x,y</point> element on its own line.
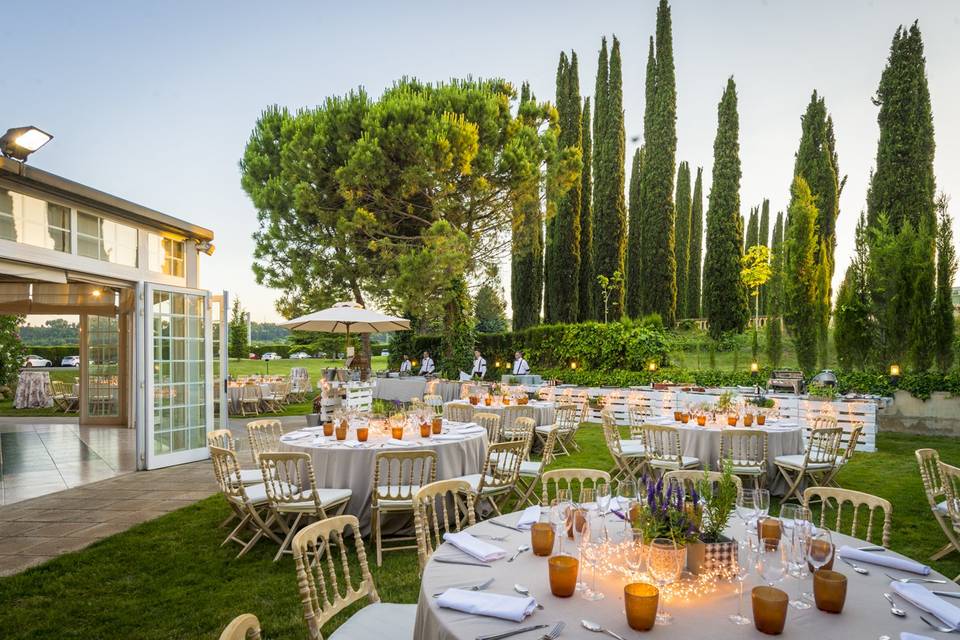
<point>764,239</point>
<point>610,210</point>
<point>563,245</point>
<point>586,280</point>
<point>943,321</point>
<point>600,174</point>
<point>634,233</point>
<point>752,236</point>
<point>682,235</point>
<point>526,278</point>
<point>800,273</point>
<point>694,261</point>
<point>724,295</point>
<point>775,295</point>
<point>550,241</point>
<point>659,273</point>
<point>853,333</point>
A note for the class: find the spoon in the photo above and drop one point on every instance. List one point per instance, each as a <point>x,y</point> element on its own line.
<point>894,609</point>
<point>856,567</point>
<point>520,549</point>
<point>522,590</point>
<point>596,628</point>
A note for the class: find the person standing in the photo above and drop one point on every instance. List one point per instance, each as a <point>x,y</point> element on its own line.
<point>520,365</point>
<point>479,365</point>
<point>426,365</point>
<point>406,366</point>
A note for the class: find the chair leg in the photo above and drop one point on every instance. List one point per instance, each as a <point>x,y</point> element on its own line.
<point>290,530</point>
<point>375,529</point>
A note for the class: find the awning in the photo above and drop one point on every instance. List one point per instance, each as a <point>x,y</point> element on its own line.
<point>24,298</point>
<point>32,272</point>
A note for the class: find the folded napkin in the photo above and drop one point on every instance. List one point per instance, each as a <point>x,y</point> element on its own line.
<point>449,437</point>
<point>353,444</point>
<point>884,560</point>
<point>483,551</point>
<point>921,596</point>
<point>393,442</point>
<point>481,603</point>
<point>294,435</point>
<point>313,429</point>
<point>906,635</point>
<point>529,517</point>
<point>470,429</point>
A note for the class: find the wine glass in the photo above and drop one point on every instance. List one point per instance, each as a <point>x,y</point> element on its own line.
<point>800,546</point>
<point>626,500</point>
<point>577,523</point>
<point>633,555</point>
<point>747,509</point>
<point>773,560</point>
<point>819,553</point>
<point>664,563</point>
<point>761,498</point>
<point>601,494</point>
<point>559,513</point>
<point>592,542</point>
<point>742,565</point>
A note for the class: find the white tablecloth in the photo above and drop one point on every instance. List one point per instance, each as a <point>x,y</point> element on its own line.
<point>337,466</point>
<point>546,411</point>
<point>33,390</point>
<point>865,616</point>
<point>403,389</point>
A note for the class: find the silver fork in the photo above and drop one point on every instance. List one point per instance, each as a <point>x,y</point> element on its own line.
<point>938,627</point>
<point>555,632</point>
<point>908,580</point>
<point>477,587</point>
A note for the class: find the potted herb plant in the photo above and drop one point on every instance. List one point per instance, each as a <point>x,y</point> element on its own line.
<point>664,515</point>
<point>716,503</point>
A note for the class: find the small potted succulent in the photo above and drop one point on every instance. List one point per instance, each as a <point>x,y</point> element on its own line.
<point>713,505</point>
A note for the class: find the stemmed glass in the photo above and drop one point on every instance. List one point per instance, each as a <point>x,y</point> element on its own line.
<point>664,563</point>
<point>602,496</point>
<point>560,510</point>
<point>578,523</point>
<point>634,552</point>
<point>743,564</point>
<point>761,499</point>
<point>773,560</point>
<point>626,500</point>
<point>796,532</point>
<point>819,553</point>
<point>747,510</point>
<point>592,542</point>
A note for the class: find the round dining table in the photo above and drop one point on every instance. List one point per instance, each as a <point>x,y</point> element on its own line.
<point>461,450</point>
<point>783,438</point>
<point>866,614</point>
<point>546,411</point>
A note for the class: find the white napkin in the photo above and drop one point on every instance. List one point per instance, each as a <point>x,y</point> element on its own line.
<point>313,429</point>
<point>393,442</point>
<point>884,560</point>
<point>906,635</point>
<point>449,437</point>
<point>350,443</point>
<point>921,596</point>
<point>481,603</point>
<point>475,547</point>
<point>529,517</point>
<point>294,435</point>
<point>470,428</point>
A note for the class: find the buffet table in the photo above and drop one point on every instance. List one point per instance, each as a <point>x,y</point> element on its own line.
<point>866,615</point>
<point>407,387</point>
<point>546,411</point>
<point>350,464</point>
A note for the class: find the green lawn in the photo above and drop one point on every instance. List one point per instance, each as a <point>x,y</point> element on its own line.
<point>169,578</point>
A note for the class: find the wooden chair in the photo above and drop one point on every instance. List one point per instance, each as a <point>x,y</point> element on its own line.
<point>63,399</point>
<point>292,492</point>
<point>509,417</point>
<point>580,482</point>
<point>747,451</point>
<point>815,464</point>
<point>327,586</point>
<point>397,477</point>
<point>664,453</point>
<point>434,401</point>
<point>248,503</point>
<point>439,509</point>
<point>546,394</point>
<point>521,431</point>
<point>638,412</point>
<point>935,489</point>
<point>567,422</point>
<point>950,477</point>
<point>490,422</point>
<point>458,412</point>
<point>629,456</point>
<point>250,398</point>
<point>531,471</point>
<point>833,496</point>
<point>243,627</point>
<point>689,478</point>
<point>264,435</point>
<point>848,452</point>
<point>499,475</point>
<point>223,438</point>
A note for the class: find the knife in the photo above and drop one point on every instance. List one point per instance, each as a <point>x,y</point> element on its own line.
<point>878,549</point>
<point>466,562</point>
<point>948,594</point>
<point>505,526</point>
<point>507,634</point>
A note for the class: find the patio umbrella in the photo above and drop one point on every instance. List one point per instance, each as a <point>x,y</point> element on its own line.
<point>347,317</point>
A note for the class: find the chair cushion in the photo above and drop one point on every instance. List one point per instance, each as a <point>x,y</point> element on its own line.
<point>633,448</point>
<point>530,468</point>
<point>474,480</point>
<point>747,471</point>
<point>941,508</point>
<point>397,490</point>
<point>546,428</point>
<point>327,497</point>
<point>795,461</point>
<point>251,476</point>
<point>688,462</point>
<point>378,621</point>
<point>257,493</point>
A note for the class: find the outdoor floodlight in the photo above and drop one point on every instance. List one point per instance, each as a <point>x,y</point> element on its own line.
<point>20,142</point>
<point>206,247</point>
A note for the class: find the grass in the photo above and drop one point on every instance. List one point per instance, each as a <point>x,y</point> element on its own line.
<point>169,578</point>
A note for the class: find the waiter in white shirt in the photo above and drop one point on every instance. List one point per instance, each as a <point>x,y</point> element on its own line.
<point>520,366</point>
<point>406,366</point>
<point>479,365</point>
<point>426,365</point>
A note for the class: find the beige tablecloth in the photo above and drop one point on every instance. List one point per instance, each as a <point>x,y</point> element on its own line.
<point>866,615</point>
<point>403,389</point>
<point>546,411</point>
<point>340,467</point>
<point>234,392</point>
<point>33,390</point>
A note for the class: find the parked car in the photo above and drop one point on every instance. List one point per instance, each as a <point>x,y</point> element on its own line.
<point>36,361</point>
<point>270,355</point>
<point>385,353</point>
<point>70,361</point>
<point>299,355</point>
<point>252,356</point>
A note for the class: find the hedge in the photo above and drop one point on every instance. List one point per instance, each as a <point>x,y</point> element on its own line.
<point>54,353</point>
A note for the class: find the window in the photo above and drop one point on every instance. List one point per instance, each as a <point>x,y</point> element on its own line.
<point>166,255</point>
<point>106,240</point>
<point>33,221</point>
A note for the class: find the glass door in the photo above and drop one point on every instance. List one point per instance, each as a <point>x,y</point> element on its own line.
<point>102,353</point>
<point>178,374</point>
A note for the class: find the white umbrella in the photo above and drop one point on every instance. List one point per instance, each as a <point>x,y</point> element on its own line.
<point>347,317</point>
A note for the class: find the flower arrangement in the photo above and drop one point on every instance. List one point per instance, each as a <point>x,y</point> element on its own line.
<point>725,403</point>
<point>717,502</point>
<point>664,515</point>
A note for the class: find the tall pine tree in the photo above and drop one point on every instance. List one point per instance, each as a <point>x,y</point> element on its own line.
<point>695,261</point>
<point>609,209</point>
<point>775,295</point>
<point>526,270</point>
<point>659,270</point>
<point>800,273</point>
<point>765,241</point>
<point>634,233</point>
<point>682,235</point>
<point>724,295</point>
<point>600,121</point>
<point>586,281</point>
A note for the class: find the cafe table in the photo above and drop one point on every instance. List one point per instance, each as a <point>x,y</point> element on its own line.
<point>866,614</point>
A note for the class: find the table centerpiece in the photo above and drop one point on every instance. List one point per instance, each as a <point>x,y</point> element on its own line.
<point>712,505</point>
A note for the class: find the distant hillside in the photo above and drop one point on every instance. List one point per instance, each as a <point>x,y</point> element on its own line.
<point>268,332</point>
<point>51,332</point>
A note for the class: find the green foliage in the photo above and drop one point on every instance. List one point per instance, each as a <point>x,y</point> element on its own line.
<point>764,239</point>
<point>943,320</point>
<point>853,336</point>
<point>800,277</point>
<point>725,297</point>
<point>719,500</point>
<point>457,340</point>
<point>53,353</point>
<point>585,281</point>
<point>755,272</point>
<point>268,332</point>
<point>823,391</point>
<point>11,349</point>
<point>682,236</point>
<point>489,309</point>
<point>751,236</point>
<point>775,295</point>
<point>608,287</point>
<point>634,263</point>
<point>695,259</point>
<point>52,332</point>
<point>237,332</point>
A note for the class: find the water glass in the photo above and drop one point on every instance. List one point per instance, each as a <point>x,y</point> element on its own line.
<point>772,560</point>
<point>819,554</point>
<point>592,543</point>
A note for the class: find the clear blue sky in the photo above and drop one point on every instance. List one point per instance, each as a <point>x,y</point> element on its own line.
<point>155,101</point>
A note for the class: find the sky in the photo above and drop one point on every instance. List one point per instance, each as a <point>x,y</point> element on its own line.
<point>154,101</point>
